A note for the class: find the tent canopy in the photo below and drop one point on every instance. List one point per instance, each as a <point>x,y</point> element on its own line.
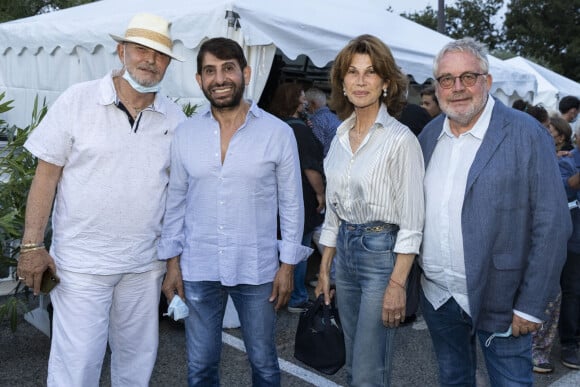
<point>45,54</point>
<point>551,86</point>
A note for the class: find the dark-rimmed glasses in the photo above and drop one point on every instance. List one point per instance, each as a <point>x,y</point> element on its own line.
<point>468,79</point>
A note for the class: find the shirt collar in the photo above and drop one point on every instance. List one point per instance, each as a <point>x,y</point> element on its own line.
<point>479,129</point>
<point>382,119</point>
<point>254,109</point>
<point>108,94</point>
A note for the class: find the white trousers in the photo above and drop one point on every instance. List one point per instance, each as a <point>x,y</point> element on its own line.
<point>90,310</point>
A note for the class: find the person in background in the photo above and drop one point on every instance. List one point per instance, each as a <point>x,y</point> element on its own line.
<point>103,149</point>
<point>496,225</point>
<point>374,220</point>
<point>561,133</point>
<point>540,114</point>
<point>569,323</point>
<point>429,101</point>
<point>287,104</point>
<point>324,121</point>
<point>536,111</point>
<point>414,117</point>
<point>543,338</point>
<point>234,168</point>
<point>569,107</point>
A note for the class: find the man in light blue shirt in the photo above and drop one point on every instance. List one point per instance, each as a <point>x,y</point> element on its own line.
<point>234,168</point>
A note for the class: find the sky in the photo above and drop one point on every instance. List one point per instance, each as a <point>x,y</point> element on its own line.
<point>400,6</point>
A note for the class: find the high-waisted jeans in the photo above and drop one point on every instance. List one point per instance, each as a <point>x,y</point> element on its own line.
<point>364,263</point>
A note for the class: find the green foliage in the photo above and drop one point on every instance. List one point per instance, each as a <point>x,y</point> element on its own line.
<point>548,31</point>
<point>474,18</point>
<point>17,168</point>
<point>189,109</point>
<point>544,31</point>
<point>11,309</point>
<point>427,17</point>
<point>11,10</point>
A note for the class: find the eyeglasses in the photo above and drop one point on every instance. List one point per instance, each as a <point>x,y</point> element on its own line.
<point>468,79</point>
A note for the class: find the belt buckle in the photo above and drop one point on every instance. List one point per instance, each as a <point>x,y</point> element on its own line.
<point>376,228</point>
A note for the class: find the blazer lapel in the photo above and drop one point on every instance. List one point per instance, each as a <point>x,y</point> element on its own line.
<point>494,136</point>
<point>428,137</point>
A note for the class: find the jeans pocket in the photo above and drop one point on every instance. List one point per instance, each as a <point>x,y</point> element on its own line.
<point>378,242</point>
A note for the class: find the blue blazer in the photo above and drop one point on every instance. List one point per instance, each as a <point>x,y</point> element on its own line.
<point>515,219</point>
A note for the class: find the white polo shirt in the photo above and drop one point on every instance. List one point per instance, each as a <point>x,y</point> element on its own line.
<point>111,196</point>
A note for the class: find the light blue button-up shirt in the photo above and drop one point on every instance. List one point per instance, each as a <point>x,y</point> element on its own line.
<point>221,218</point>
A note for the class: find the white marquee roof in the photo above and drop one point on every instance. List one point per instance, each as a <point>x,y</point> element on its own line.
<point>316,28</point>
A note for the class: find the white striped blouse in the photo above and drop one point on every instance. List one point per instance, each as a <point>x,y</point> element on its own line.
<point>381,181</point>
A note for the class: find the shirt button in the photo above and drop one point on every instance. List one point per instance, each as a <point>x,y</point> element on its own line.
<point>221,227</point>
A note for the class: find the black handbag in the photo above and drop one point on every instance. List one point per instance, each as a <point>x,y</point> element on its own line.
<point>319,339</point>
<point>413,289</point>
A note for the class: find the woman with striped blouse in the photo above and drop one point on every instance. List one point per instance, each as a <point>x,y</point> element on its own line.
<point>375,210</point>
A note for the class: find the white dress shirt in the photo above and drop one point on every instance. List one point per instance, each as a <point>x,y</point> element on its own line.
<point>381,181</point>
<point>442,255</point>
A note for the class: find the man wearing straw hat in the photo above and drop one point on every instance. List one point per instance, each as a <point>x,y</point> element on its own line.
<point>103,157</point>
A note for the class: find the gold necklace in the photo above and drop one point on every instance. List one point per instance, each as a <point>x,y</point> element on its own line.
<point>125,101</point>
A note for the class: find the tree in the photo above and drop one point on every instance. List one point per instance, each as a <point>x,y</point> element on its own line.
<point>11,10</point>
<point>474,18</point>
<point>547,31</point>
<point>427,17</point>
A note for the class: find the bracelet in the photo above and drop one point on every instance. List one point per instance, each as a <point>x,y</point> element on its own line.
<point>30,245</point>
<point>396,283</point>
<point>28,249</point>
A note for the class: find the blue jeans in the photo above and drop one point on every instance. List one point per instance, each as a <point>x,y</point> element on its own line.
<point>203,331</point>
<point>508,359</point>
<point>300,293</point>
<point>570,307</point>
<point>364,263</point>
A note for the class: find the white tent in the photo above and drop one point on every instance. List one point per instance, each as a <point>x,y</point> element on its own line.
<point>47,53</point>
<point>551,86</point>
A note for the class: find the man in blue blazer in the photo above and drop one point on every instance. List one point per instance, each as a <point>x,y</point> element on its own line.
<point>496,224</point>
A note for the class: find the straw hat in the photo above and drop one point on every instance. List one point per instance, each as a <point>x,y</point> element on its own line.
<point>150,31</point>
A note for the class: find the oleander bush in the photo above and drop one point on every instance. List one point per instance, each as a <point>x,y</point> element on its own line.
<point>17,168</point>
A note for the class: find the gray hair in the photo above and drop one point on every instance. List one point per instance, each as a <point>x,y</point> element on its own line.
<point>467,45</point>
<point>317,95</point>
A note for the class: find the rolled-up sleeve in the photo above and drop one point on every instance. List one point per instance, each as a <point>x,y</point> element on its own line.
<point>410,200</point>
<point>291,206</point>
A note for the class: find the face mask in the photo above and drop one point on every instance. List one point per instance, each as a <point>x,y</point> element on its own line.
<point>136,85</point>
<point>177,309</point>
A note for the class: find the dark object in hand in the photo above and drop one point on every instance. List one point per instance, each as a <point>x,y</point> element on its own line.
<point>49,281</point>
